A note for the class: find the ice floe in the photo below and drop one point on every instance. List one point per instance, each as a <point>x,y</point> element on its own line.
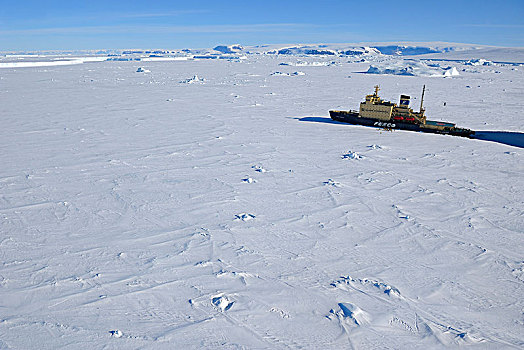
<point>413,68</point>
<point>228,48</point>
<point>478,62</point>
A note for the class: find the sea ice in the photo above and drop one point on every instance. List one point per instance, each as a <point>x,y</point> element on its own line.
<point>125,195</point>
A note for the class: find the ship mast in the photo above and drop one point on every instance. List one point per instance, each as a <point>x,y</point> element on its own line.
<point>376,90</point>
<point>422,100</point>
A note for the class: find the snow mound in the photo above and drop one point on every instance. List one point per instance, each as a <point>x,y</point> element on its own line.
<point>413,68</point>
<point>243,276</point>
<point>228,49</point>
<point>352,155</point>
<point>116,333</point>
<point>357,283</point>
<point>331,182</point>
<point>281,74</point>
<point>222,302</point>
<point>446,335</point>
<point>351,312</point>
<point>249,180</point>
<point>280,312</point>
<point>194,79</point>
<point>244,216</point>
<point>259,168</point>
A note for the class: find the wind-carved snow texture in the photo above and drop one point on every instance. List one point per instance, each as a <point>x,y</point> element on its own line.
<point>137,211</point>
<point>405,317</point>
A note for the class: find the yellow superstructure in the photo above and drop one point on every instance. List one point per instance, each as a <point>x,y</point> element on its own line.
<point>376,108</point>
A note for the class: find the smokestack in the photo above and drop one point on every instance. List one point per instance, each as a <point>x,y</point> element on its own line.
<point>404,100</point>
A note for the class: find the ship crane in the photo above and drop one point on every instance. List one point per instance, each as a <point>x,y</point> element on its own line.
<point>422,100</point>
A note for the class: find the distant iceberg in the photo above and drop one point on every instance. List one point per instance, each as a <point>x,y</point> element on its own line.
<point>228,49</point>
<point>478,62</point>
<point>413,68</point>
<point>303,50</point>
<point>450,72</point>
<point>402,50</point>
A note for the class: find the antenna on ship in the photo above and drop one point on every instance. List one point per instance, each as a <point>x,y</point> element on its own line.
<point>376,90</point>
<point>422,99</point>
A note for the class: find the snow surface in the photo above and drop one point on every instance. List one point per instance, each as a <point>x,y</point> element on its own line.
<point>140,211</point>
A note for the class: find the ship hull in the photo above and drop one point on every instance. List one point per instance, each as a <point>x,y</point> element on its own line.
<point>352,117</point>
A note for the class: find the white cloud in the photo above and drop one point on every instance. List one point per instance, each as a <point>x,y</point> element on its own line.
<point>233,28</point>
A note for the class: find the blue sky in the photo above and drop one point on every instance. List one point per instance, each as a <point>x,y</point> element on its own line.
<point>94,24</point>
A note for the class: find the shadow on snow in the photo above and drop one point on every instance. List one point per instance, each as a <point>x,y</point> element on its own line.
<point>515,139</point>
<point>506,137</point>
<point>319,120</point>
